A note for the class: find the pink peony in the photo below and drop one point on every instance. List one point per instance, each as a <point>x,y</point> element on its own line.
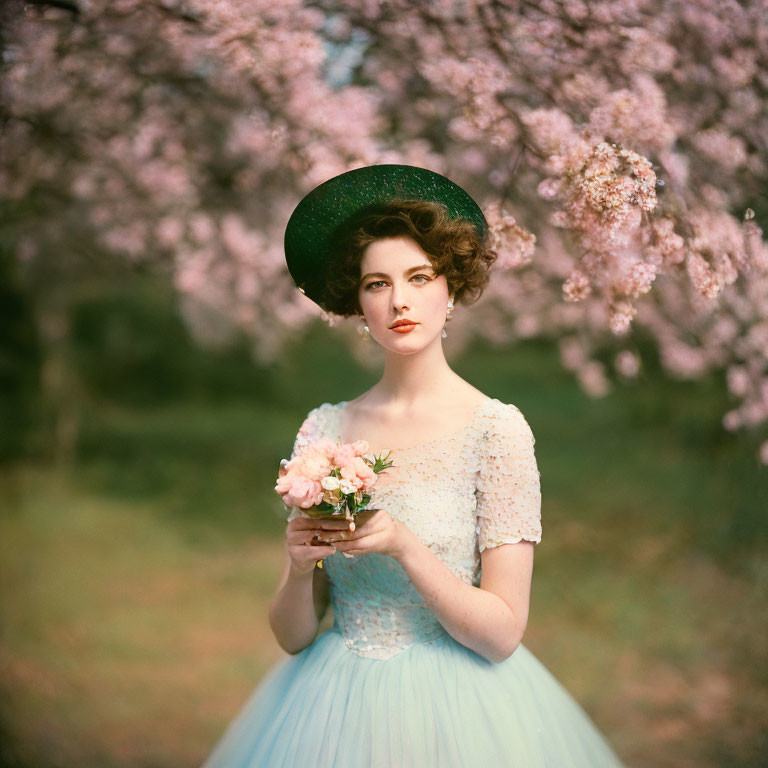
<point>359,474</point>
<point>299,491</point>
<point>343,454</point>
<point>300,480</point>
<point>315,462</point>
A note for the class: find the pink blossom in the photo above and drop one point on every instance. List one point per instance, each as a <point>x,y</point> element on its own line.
<point>622,313</point>
<point>732,420</point>
<point>706,280</point>
<point>627,363</point>
<point>577,286</point>
<point>609,145</point>
<point>592,377</point>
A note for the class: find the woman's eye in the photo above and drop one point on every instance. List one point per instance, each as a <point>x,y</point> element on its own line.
<point>378,282</point>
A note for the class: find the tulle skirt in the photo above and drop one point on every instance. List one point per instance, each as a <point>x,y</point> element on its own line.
<point>436,704</point>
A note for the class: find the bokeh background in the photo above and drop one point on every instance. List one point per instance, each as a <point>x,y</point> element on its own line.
<point>156,361</point>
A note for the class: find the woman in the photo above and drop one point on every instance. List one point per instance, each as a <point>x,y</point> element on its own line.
<point>424,666</point>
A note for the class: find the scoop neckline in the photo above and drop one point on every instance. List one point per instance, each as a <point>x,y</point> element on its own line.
<point>342,404</point>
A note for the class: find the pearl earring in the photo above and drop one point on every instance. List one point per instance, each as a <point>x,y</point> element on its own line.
<point>448,316</point>
<point>364,330</point>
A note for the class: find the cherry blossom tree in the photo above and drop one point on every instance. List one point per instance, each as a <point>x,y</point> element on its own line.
<point>618,149</point>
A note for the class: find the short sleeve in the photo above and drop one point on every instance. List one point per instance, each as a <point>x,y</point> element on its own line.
<point>508,488</point>
<point>308,433</point>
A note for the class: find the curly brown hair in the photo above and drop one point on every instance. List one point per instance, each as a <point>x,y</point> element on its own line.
<point>454,247</point>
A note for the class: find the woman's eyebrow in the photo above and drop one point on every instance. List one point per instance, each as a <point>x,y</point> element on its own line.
<point>407,271</point>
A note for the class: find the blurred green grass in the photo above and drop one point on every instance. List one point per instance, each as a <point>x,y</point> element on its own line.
<point>653,450</point>
<point>137,576</point>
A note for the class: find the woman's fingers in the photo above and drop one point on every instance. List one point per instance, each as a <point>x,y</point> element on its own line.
<point>361,524</point>
<point>338,535</point>
<point>319,525</point>
<point>329,533</point>
<point>302,523</point>
<point>335,525</point>
<point>307,536</point>
<point>344,535</point>
<point>354,541</point>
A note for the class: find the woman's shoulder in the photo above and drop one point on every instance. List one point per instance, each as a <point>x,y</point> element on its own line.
<point>313,426</point>
<point>320,413</point>
<point>504,419</point>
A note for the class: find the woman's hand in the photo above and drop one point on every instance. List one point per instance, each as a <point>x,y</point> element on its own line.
<point>300,533</point>
<point>375,533</point>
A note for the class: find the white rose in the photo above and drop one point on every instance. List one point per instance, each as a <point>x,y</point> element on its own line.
<point>346,486</point>
<point>330,483</point>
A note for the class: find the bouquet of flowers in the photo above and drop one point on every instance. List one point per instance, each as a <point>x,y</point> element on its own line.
<point>329,479</point>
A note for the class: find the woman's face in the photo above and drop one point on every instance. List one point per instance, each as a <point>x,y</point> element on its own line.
<point>399,282</point>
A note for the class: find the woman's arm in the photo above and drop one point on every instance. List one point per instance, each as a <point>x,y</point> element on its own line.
<point>303,593</point>
<point>490,619</point>
<point>298,607</point>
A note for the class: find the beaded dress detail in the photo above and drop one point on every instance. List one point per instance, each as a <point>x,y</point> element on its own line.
<point>387,685</point>
<point>477,487</point>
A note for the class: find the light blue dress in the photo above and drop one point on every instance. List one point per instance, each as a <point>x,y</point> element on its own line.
<point>388,687</point>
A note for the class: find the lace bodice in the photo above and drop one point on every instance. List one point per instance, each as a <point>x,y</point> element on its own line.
<point>476,488</point>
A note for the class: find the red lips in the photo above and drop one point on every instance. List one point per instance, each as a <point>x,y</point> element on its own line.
<point>402,321</point>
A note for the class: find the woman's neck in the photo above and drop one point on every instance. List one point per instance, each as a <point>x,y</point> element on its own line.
<point>410,380</point>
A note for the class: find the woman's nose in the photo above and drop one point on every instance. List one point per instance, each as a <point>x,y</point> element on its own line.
<point>399,298</point>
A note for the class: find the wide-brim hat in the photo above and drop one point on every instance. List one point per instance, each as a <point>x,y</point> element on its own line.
<point>312,233</point>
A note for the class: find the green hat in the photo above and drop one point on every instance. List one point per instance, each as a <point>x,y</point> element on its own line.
<point>324,213</point>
